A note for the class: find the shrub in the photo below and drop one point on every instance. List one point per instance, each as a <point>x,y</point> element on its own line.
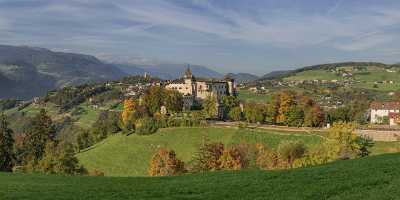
<point>267,158</point>
<point>165,163</point>
<point>208,157</point>
<point>235,158</point>
<point>146,126</point>
<point>290,151</point>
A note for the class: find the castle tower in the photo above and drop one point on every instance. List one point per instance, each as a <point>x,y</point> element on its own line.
<point>190,82</point>
<point>231,85</point>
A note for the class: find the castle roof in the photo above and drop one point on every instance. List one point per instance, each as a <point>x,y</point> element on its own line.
<point>385,105</point>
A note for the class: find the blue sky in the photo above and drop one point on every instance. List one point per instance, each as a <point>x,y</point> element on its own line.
<point>256,36</point>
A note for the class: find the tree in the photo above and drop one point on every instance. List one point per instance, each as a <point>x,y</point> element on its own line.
<point>129,108</point>
<point>165,163</point>
<point>290,151</point>
<point>254,112</point>
<point>40,132</point>
<point>210,107</point>
<point>146,126</point>
<point>6,145</point>
<point>154,98</point>
<point>295,117</point>
<point>173,101</point>
<point>286,101</point>
<point>59,159</point>
<point>84,140</point>
<point>229,102</point>
<point>235,114</point>
<point>343,141</point>
<point>106,124</point>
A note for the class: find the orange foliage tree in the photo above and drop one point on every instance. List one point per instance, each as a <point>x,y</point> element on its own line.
<point>165,163</point>
<point>286,101</point>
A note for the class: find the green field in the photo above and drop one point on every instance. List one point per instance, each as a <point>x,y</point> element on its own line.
<point>121,155</point>
<point>376,177</point>
<point>248,95</point>
<point>314,75</point>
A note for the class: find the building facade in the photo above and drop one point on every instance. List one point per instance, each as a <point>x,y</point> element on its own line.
<point>385,111</point>
<point>194,90</point>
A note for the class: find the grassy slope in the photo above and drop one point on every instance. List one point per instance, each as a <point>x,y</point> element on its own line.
<point>129,155</point>
<point>374,177</point>
<point>367,79</point>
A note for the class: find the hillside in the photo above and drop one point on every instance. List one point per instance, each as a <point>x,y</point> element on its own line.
<point>168,71</point>
<point>318,71</point>
<point>129,155</point>
<point>26,72</point>
<point>243,77</point>
<point>375,177</point>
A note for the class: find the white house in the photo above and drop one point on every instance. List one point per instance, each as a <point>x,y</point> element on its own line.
<point>381,111</point>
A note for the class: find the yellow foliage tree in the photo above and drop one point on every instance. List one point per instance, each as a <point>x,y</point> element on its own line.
<point>342,141</point>
<point>286,101</point>
<point>129,108</point>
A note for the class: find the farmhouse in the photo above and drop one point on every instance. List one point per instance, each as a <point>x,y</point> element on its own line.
<point>385,112</point>
<point>194,90</point>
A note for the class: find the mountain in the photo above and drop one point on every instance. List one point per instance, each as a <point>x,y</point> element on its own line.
<point>243,77</point>
<point>29,71</point>
<point>168,71</point>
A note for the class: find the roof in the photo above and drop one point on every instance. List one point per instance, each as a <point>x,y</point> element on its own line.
<point>386,105</point>
<point>393,115</point>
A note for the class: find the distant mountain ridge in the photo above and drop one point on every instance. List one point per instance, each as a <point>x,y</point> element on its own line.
<point>30,71</point>
<point>168,71</point>
<point>243,77</point>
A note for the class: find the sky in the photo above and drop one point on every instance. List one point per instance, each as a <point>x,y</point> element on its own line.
<point>254,36</point>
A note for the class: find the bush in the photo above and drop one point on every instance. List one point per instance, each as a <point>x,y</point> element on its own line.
<point>165,163</point>
<point>290,151</point>
<point>235,158</point>
<point>146,126</point>
<point>208,157</point>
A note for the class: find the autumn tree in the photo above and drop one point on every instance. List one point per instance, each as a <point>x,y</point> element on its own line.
<point>229,102</point>
<point>286,101</point>
<point>6,145</point>
<point>126,115</point>
<point>343,141</point>
<point>165,163</point>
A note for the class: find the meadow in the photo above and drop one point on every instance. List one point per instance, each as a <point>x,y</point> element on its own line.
<point>375,177</point>
<point>121,155</point>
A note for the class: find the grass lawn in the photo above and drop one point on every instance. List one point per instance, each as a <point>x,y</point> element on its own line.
<point>248,95</point>
<point>371,178</point>
<point>121,155</point>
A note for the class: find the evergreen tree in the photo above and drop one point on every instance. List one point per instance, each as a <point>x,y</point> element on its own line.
<point>6,145</point>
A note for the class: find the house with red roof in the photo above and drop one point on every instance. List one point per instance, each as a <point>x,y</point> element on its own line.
<point>385,112</point>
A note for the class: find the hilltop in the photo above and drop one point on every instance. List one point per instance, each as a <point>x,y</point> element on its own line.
<point>375,177</point>
<point>26,72</point>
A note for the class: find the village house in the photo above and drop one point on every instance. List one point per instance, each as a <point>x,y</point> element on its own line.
<point>194,90</point>
<point>382,112</point>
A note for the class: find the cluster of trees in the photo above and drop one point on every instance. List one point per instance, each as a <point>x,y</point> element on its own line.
<point>286,108</point>
<point>70,97</point>
<point>36,150</point>
<point>341,143</point>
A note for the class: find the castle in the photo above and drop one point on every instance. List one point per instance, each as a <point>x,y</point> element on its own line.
<point>194,90</point>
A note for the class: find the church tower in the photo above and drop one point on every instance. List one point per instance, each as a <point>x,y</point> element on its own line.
<point>190,82</point>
